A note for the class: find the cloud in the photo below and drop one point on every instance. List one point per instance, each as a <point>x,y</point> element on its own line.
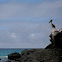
<point>24,35</point>
<point>26,10</point>
<point>32,35</point>
<point>13,35</point>
<point>36,36</point>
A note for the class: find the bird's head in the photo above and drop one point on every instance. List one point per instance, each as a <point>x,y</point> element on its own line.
<point>50,21</point>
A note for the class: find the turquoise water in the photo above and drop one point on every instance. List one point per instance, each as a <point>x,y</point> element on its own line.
<point>5,52</point>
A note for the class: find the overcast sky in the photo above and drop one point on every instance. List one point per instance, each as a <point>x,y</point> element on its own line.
<point>24,23</point>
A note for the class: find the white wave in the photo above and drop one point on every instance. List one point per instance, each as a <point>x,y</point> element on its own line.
<point>3,57</point>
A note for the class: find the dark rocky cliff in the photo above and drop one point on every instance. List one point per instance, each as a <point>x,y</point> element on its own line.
<point>57,43</point>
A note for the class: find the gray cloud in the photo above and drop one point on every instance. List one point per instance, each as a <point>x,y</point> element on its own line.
<point>42,9</point>
<point>24,34</point>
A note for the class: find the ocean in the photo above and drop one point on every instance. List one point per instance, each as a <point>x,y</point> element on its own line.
<point>4,53</point>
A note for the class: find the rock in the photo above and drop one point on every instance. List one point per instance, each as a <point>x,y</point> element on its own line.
<point>24,52</point>
<point>58,40</point>
<point>38,55</point>
<point>48,55</point>
<point>57,43</point>
<point>28,55</point>
<point>14,56</point>
<point>28,52</point>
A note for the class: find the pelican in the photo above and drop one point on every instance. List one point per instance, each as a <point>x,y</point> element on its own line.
<point>52,25</point>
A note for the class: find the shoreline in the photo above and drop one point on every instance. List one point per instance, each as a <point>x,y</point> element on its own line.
<point>3,58</point>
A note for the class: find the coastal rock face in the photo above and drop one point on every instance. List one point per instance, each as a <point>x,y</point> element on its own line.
<point>14,56</point>
<point>39,55</point>
<point>52,53</point>
<point>57,42</point>
<point>26,56</point>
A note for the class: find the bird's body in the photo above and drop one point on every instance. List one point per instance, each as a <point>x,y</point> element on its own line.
<point>53,26</point>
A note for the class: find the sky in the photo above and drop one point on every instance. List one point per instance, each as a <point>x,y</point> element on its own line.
<point>24,23</point>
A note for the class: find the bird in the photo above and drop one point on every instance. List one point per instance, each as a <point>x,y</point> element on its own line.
<point>50,21</point>
<point>52,25</point>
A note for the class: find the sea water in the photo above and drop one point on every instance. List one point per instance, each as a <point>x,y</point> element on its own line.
<point>4,53</point>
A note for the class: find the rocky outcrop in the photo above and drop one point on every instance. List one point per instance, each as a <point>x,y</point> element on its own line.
<point>39,55</point>
<point>57,42</point>
<point>14,56</point>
